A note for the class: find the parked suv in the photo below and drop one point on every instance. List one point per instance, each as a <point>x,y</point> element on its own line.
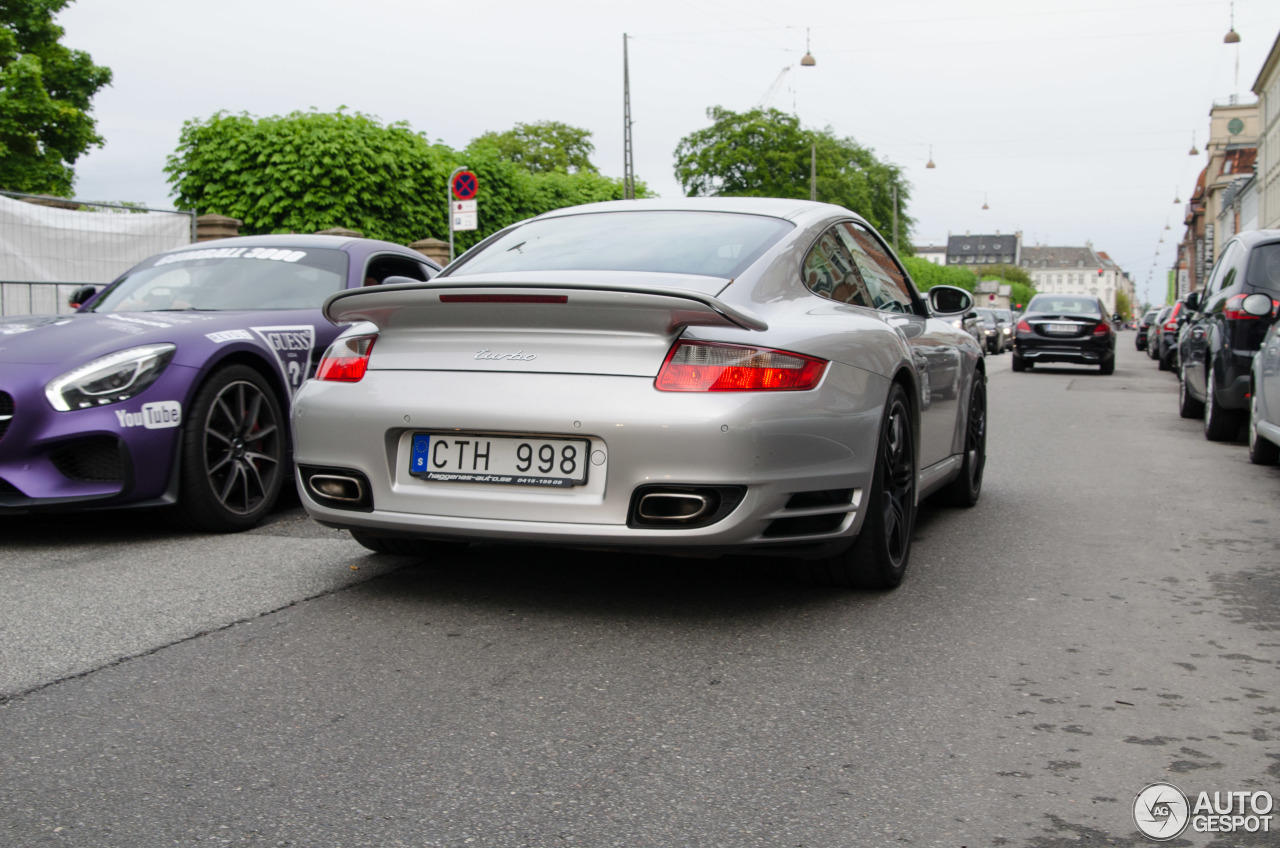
<point>1225,329</point>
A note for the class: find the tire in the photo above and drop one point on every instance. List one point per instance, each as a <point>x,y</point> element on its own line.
<point>967,487</point>
<point>427,548</point>
<point>1108,366</point>
<point>1262,451</point>
<point>1166,362</point>
<point>1188,407</point>
<point>233,453</point>
<point>878,557</point>
<point>1019,364</point>
<point>1220,424</point>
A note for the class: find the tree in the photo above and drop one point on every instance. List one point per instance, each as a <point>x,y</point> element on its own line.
<point>310,171</point>
<point>45,94</point>
<point>927,275</point>
<point>766,153</point>
<point>542,147</point>
<point>1123,306</point>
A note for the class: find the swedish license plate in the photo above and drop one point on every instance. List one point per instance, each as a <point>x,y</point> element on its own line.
<point>504,460</point>
<point>1060,328</point>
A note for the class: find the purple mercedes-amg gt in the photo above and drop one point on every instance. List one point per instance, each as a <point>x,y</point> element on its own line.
<point>171,386</point>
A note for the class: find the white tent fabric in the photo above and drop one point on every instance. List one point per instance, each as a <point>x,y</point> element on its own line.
<point>42,244</point>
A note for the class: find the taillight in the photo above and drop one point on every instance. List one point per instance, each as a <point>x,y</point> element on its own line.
<point>708,367</point>
<point>1234,309</point>
<point>1103,329</point>
<point>1171,326</point>
<point>346,360</point>
<point>1024,327</point>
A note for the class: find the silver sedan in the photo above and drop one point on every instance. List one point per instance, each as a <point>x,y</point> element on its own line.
<point>705,375</point>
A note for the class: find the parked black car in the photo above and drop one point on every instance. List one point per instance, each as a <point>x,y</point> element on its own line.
<point>1065,328</point>
<point>1162,338</point>
<point>1225,327</point>
<point>1144,327</point>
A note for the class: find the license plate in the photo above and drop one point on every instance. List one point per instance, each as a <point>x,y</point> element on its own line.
<point>1060,328</point>
<point>509,460</point>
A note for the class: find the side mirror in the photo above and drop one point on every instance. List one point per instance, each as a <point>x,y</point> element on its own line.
<point>949,300</point>
<point>1193,302</point>
<point>81,296</point>
<point>1116,316</point>
<point>1257,304</point>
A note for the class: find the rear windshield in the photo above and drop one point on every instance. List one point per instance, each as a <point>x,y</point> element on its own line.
<point>229,278</point>
<point>1064,304</point>
<point>1264,268</point>
<point>712,244</point>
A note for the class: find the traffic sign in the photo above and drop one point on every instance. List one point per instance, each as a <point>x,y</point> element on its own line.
<point>465,206</point>
<point>465,185</point>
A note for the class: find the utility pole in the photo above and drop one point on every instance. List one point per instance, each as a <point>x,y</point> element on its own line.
<point>628,163</point>
<point>813,171</point>
<point>895,218</point>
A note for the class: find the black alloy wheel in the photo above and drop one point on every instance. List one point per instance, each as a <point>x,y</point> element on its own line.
<point>878,557</point>
<point>967,487</point>
<point>233,453</point>
<point>1220,424</point>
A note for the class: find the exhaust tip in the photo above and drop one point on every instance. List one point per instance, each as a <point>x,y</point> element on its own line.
<point>337,488</point>
<point>682,507</point>
<point>671,506</point>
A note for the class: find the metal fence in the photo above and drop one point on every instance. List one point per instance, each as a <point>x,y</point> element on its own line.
<point>49,247</point>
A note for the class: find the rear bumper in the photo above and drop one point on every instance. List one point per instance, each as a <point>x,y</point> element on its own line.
<point>776,445</point>
<point>1084,351</point>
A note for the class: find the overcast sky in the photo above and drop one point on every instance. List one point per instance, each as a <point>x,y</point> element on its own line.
<point>1071,119</point>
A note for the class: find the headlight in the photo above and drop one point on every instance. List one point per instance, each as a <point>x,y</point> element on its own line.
<point>109,379</point>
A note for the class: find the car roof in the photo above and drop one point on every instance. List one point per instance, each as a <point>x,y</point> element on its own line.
<point>1251,237</point>
<point>796,211</point>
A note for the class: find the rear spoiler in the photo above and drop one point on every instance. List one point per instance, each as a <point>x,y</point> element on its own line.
<point>420,304</point>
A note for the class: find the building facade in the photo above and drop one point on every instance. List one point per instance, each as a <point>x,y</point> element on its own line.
<point>1076,270</point>
<point>1267,187</point>
<point>984,249</point>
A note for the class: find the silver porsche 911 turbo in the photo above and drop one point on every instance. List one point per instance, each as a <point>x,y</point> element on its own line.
<point>703,375</point>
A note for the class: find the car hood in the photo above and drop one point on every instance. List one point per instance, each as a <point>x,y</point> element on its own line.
<point>79,337</point>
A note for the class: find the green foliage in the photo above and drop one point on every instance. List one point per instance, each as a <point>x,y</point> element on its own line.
<point>1020,293</point>
<point>543,147</point>
<point>1123,306</point>
<point>766,153</point>
<point>45,93</point>
<point>1005,272</point>
<point>310,171</point>
<point>927,275</point>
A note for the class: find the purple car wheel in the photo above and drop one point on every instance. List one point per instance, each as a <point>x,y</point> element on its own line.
<point>233,453</point>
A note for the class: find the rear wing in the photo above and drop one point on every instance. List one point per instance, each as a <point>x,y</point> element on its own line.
<point>452,303</point>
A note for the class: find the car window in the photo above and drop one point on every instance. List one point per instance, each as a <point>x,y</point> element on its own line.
<point>1264,268</point>
<point>1224,271</point>
<point>1065,305</point>
<point>229,278</point>
<point>830,272</point>
<point>712,244</point>
<point>391,265</point>
<point>885,281</point>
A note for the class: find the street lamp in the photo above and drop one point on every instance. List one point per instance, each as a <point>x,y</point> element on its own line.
<point>808,61</point>
<point>1232,37</point>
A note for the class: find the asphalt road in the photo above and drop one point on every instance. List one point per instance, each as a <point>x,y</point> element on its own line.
<point>1107,617</point>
